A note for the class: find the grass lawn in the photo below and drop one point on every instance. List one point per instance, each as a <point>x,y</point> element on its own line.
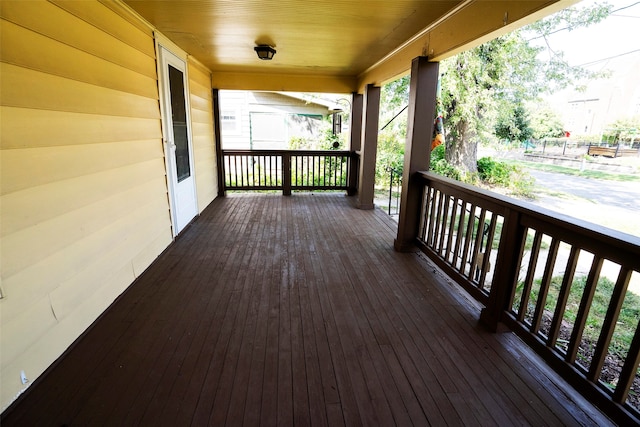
<point>595,174</point>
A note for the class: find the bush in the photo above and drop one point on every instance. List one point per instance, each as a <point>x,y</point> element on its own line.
<point>504,175</point>
<point>444,168</point>
<point>438,164</point>
<point>437,154</point>
<point>493,172</point>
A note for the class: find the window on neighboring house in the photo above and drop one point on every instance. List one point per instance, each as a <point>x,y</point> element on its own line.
<point>230,122</point>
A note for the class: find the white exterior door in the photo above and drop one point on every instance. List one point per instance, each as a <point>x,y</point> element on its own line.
<point>176,129</point>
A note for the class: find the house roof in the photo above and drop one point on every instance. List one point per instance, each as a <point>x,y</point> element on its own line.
<point>330,45</point>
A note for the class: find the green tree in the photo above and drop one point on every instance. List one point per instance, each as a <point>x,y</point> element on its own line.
<point>394,98</point>
<point>623,131</point>
<point>515,125</point>
<point>545,123</point>
<point>493,79</point>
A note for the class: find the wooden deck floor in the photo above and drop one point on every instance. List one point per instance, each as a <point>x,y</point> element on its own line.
<point>273,310</point>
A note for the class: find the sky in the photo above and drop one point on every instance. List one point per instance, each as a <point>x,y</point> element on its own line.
<point>612,45</point>
<point>618,36</point>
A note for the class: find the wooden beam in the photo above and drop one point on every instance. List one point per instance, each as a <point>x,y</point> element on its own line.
<point>284,82</point>
<point>471,24</point>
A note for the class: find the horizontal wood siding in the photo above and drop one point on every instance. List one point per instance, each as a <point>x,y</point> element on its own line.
<point>203,133</point>
<point>83,189</point>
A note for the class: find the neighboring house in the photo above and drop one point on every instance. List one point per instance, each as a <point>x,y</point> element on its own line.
<point>604,101</point>
<point>269,120</point>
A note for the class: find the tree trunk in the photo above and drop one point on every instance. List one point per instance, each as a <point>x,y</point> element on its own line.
<point>463,151</point>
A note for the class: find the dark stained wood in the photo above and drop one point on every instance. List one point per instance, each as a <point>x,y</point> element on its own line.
<point>272,310</point>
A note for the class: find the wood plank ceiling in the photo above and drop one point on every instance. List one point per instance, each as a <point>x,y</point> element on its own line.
<point>329,45</point>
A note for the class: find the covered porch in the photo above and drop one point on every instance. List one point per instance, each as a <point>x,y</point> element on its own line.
<point>296,310</point>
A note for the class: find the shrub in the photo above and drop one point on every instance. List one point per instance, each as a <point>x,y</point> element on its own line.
<point>442,167</point>
<point>504,175</point>
<point>493,172</point>
<point>437,154</point>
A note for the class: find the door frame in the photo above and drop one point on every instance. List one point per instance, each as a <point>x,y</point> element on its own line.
<point>163,44</point>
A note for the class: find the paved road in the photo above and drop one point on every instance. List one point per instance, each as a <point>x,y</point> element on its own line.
<point>608,203</point>
<point>625,195</point>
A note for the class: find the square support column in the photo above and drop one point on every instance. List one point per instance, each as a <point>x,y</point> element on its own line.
<point>369,148</point>
<point>417,152</point>
<point>355,142</point>
<point>215,97</point>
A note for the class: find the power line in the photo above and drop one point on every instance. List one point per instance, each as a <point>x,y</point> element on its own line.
<point>606,59</point>
<point>567,28</point>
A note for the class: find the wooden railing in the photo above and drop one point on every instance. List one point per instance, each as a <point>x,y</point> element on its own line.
<point>289,170</point>
<point>527,266</point>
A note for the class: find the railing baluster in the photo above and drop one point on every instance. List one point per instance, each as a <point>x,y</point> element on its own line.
<point>563,296</point>
<point>275,176</point>
<point>424,207</point>
<point>443,230</point>
<point>286,174</point>
<point>308,171</point>
<point>468,237</point>
<point>544,285</point>
<point>454,213</point>
<point>583,310</point>
<point>477,245</point>
<point>255,178</point>
<point>245,168</point>
<point>459,234</point>
<point>487,250</point>
<point>438,219</point>
<point>294,172</point>
<point>609,324</point>
<point>239,159</point>
<point>433,197</point>
<point>628,373</point>
<point>528,283</point>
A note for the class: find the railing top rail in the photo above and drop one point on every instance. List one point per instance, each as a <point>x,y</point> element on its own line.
<point>292,152</point>
<point>573,226</point>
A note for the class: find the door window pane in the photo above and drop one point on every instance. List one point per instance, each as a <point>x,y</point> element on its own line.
<point>179,119</point>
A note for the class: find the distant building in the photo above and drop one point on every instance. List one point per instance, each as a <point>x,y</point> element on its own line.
<point>604,101</point>
<point>269,120</point>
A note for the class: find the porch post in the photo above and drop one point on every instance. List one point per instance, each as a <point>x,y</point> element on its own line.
<point>215,96</point>
<point>369,147</point>
<point>417,152</point>
<point>355,142</point>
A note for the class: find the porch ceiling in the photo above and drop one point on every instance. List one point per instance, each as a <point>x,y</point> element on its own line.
<point>330,45</point>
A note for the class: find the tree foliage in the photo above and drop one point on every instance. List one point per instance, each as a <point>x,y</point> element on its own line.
<point>545,123</point>
<point>394,98</point>
<point>515,126</point>
<point>485,89</point>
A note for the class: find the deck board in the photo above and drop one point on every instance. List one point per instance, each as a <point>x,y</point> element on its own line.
<point>272,310</point>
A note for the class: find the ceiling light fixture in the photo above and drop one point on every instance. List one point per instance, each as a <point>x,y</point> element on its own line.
<point>265,52</point>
